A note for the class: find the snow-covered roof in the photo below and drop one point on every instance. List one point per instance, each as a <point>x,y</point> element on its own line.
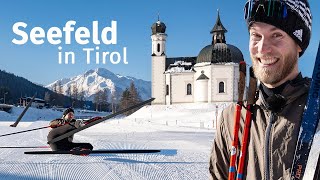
<point>180,67</point>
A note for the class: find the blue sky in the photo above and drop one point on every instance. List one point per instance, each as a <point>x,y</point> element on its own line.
<point>188,29</point>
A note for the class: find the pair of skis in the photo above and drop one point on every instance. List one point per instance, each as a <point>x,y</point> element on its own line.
<point>250,103</point>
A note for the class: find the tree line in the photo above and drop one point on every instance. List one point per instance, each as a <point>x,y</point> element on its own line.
<point>103,100</point>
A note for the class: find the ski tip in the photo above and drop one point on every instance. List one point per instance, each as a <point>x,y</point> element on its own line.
<point>242,67</point>
<point>242,62</point>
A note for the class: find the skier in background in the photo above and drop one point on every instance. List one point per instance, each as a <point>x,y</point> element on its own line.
<point>279,32</point>
<point>61,126</point>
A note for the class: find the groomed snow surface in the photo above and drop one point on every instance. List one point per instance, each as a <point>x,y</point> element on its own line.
<point>183,133</point>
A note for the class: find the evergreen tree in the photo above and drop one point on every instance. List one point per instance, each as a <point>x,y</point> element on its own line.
<point>135,97</point>
<point>81,98</point>
<point>124,101</point>
<point>97,100</point>
<point>104,100</point>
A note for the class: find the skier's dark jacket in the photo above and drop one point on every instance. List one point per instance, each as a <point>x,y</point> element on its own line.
<point>263,163</point>
<point>62,126</point>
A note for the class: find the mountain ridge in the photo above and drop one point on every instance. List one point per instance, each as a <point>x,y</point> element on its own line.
<point>94,80</point>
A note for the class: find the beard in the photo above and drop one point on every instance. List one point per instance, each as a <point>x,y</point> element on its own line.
<point>275,74</point>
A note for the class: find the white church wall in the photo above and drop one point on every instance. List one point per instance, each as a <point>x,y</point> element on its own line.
<point>222,73</point>
<point>158,79</point>
<point>201,90</point>
<point>199,93</point>
<point>179,87</point>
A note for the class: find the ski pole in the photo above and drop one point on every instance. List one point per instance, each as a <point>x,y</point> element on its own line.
<point>33,129</point>
<point>234,148</point>
<point>23,147</point>
<point>25,131</point>
<point>247,123</point>
<point>87,122</point>
<point>23,112</point>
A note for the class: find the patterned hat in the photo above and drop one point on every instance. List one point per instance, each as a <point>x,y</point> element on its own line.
<point>291,16</point>
<point>67,111</point>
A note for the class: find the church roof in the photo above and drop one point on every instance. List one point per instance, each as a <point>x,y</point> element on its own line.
<point>202,77</point>
<point>220,53</point>
<point>218,27</point>
<point>158,27</point>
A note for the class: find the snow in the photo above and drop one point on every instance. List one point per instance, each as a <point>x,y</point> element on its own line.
<point>183,133</point>
<point>179,67</point>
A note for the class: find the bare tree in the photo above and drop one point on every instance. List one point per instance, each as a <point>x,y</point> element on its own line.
<point>47,97</point>
<point>114,101</point>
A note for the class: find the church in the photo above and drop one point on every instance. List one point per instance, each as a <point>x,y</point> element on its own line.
<point>210,77</point>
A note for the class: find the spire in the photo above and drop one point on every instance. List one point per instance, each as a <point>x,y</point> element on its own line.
<point>218,31</point>
<point>158,27</point>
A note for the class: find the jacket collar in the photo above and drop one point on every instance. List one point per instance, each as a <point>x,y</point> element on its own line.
<point>289,91</point>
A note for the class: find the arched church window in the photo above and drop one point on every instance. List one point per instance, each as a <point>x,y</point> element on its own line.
<point>189,91</point>
<point>221,87</point>
<point>158,47</point>
<point>167,89</point>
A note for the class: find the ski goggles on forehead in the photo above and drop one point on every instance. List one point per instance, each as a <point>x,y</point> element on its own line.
<point>270,8</point>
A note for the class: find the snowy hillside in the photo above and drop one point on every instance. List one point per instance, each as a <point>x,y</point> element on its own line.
<point>93,81</point>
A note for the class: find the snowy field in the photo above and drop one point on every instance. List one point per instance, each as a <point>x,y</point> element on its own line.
<point>183,133</point>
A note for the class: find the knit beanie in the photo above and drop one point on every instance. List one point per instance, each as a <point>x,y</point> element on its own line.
<point>292,16</point>
<point>67,111</point>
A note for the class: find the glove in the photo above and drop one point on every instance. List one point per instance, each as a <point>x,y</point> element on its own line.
<point>79,123</point>
<point>92,119</point>
<point>56,123</point>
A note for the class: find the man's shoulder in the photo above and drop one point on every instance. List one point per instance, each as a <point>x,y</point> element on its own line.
<point>228,113</point>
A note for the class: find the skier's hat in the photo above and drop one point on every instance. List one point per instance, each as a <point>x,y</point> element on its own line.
<point>67,111</point>
<point>292,16</point>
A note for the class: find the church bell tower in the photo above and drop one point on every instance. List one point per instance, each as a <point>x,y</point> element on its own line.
<point>158,55</point>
